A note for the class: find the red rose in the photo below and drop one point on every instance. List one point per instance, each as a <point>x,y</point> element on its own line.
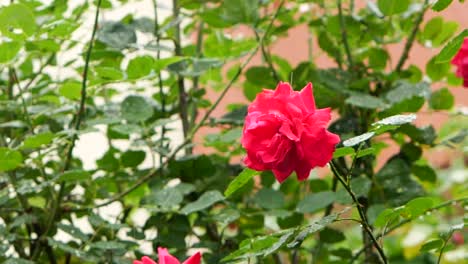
<point>461,61</point>
<point>284,132</point>
<point>166,258</point>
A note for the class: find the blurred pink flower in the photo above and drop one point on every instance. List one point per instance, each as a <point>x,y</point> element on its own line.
<point>166,258</point>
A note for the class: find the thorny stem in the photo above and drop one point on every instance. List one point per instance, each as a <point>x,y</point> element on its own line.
<point>196,79</point>
<point>344,34</point>
<point>190,136</point>
<point>362,215</point>
<point>267,58</point>
<point>412,37</point>
<point>160,81</point>
<point>396,226</point>
<point>183,96</point>
<point>78,119</point>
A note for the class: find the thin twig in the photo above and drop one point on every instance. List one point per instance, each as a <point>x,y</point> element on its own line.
<point>412,37</point>
<point>344,34</point>
<point>267,57</point>
<point>196,79</point>
<point>363,217</point>
<point>78,119</point>
<point>183,96</point>
<point>160,81</point>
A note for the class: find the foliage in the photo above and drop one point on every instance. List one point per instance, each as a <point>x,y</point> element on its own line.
<point>69,73</point>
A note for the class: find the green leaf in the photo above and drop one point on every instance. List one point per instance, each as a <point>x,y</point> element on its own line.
<point>417,207</point>
<point>358,139</point>
<point>239,181</point>
<point>361,186</point>
<point>396,172</point>
<point>206,200</point>
<point>117,35</point>
<point>448,30</point>
<point>136,109</point>
<point>131,159</point>
<point>163,63</point>
<point>396,120</point>
<point>366,101</point>
<point>71,90</point>
<point>385,217</point>
<point>74,176</point>
<point>441,5</point>
<point>213,17</point>
<point>108,245</point>
<point>260,75</point>
<point>9,159</point>
<point>139,67</point>
<point>437,71</point>
<point>316,201</point>
<point>344,151</point>
<point>73,231</point>
<point>441,99</point>
<point>13,124</point>
<point>404,90</point>
<point>378,58</point>
<point>312,228</point>
<point>65,247</point>
<point>391,7</point>
<point>269,199</point>
<point>38,140</point>
<point>240,11</point>
<point>432,28</point>
<point>17,21</point>
<point>166,198</point>
<point>108,73</point>
<point>424,135</point>
<point>432,244</point>
<point>330,235</point>
<point>449,51</point>
<point>8,50</point>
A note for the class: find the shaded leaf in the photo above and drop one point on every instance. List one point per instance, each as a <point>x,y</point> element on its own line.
<point>316,201</point>
<point>9,159</point>
<point>239,181</point>
<point>206,200</point>
<point>136,109</point>
<point>449,51</point>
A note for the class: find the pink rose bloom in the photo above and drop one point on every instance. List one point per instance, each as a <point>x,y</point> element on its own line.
<point>284,132</point>
<point>461,61</point>
<point>166,258</point>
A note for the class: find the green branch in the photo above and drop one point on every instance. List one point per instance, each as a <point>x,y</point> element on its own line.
<point>412,37</point>
<point>344,34</point>
<point>78,119</point>
<point>365,224</point>
<point>183,96</point>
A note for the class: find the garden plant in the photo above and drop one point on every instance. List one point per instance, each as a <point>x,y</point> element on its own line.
<point>117,144</point>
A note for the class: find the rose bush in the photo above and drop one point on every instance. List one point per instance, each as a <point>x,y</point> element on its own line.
<point>126,126</point>
<point>284,132</point>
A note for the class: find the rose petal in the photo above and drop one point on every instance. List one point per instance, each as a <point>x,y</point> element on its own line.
<point>145,260</point>
<point>165,257</point>
<point>308,97</point>
<point>195,259</point>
